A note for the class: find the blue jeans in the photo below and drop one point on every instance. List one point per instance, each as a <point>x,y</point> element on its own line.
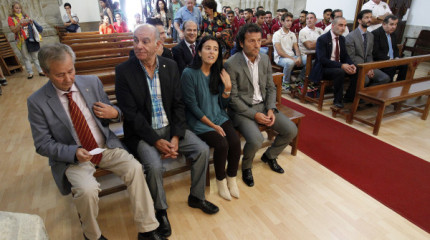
<point>264,50</point>
<point>288,65</point>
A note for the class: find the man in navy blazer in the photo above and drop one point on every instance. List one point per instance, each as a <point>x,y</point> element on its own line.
<point>57,137</point>
<point>329,66</point>
<point>182,53</point>
<point>148,91</point>
<point>381,48</point>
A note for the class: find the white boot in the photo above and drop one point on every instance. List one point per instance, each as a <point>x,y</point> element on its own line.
<point>232,186</point>
<point>223,190</point>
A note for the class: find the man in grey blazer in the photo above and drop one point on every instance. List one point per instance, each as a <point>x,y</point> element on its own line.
<point>359,45</point>
<point>253,101</point>
<point>65,114</point>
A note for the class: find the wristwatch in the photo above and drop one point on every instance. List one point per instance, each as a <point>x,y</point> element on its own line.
<point>226,93</point>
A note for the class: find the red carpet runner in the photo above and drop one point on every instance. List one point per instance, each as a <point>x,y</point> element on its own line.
<point>394,177</point>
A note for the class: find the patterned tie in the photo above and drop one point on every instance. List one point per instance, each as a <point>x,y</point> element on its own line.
<point>365,46</point>
<point>390,47</point>
<point>336,51</point>
<point>82,129</point>
<point>193,49</point>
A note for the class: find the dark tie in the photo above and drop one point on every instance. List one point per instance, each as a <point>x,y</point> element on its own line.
<point>336,51</point>
<point>82,129</point>
<point>365,46</point>
<point>193,49</point>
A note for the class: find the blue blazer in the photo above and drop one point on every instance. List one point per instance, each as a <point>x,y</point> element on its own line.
<point>323,54</point>
<point>52,128</point>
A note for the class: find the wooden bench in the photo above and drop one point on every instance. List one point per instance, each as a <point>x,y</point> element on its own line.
<point>421,45</point>
<point>323,84</point>
<point>103,45</point>
<point>389,93</point>
<point>176,166</point>
<point>95,64</point>
<point>100,38</point>
<point>9,62</point>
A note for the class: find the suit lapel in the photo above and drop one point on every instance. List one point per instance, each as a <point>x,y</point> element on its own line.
<point>245,67</point>
<point>187,52</point>
<point>140,82</point>
<point>56,106</point>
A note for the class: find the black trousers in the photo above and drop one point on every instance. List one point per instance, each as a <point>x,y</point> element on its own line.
<point>391,71</point>
<point>225,148</point>
<point>338,76</point>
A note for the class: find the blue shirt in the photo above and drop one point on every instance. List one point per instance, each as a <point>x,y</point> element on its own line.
<point>200,102</point>
<point>183,14</point>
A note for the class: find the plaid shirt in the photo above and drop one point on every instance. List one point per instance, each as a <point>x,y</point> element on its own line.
<point>159,117</point>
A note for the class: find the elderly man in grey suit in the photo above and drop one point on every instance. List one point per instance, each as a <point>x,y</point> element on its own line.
<point>253,101</point>
<point>69,117</point>
<point>359,45</point>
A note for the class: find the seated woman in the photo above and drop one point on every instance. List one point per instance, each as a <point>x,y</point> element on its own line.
<point>206,90</point>
<point>106,27</point>
<point>120,25</point>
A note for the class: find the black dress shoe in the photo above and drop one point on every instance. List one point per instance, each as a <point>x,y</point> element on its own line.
<point>3,82</point>
<point>164,229</point>
<point>247,177</point>
<point>100,238</point>
<point>272,163</point>
<point>204,205</point>
<point>338,104</point>
<point>42,74</point>
<point>153,235</point>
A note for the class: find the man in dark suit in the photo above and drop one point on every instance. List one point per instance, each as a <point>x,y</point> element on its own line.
<point>184,52</point>
<point>69,117</point>
<point>385,47</point>
<point>149,94</point>
<point>331,59</point>
<point>253,102</point>
<point>359,45</point>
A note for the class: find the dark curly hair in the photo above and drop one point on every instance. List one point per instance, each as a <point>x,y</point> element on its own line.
<point>158,8</point>
<point>247,28</point>
<point>215,78</point>
<point>210,4</point>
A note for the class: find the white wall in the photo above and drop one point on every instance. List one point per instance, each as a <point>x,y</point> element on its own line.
<point>418,13</point>
<point>87,10</point>
<point>347,6</point>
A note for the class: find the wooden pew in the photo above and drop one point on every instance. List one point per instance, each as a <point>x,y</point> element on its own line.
<point>389,93</point>
<point>98,39</point>
<point>421,45</point>
<point>102,53</point>
<point>92,65</point>
<point>176,166</point>
<point>71,36</point>
<point>93,46</point>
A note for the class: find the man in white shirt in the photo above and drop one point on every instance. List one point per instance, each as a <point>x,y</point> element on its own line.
<point>379,10</point>
<point>71,18</point>
<point>336,13</point>
<point>308,35</point>
<point>284,41</point>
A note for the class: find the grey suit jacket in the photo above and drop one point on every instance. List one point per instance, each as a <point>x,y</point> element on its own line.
<point>242,89</point>
<point>52,128</point>
<point>354,47</point>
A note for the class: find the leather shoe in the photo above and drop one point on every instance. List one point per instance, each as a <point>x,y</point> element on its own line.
<point>272,163</point>
<point>338,104</point>
<point>247,177</point>
<point>204,205</point>
<point>153,235</point>
<point>100,238</point>
<point>164,229</point>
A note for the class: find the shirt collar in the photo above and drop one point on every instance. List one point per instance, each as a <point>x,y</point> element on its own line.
<point>361,31</point>
<point>73,88</point>
<point>144,69</point>
<point>333,36</point>
<point>257,59</point>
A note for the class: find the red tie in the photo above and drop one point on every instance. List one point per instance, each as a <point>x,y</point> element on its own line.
<point>193,49</point>
<point>82,129</point>
<point>336,51</point>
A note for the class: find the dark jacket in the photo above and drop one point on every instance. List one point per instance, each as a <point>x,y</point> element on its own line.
<point>380,45</point>
<point>182,55</point>
<point>134,100</point>
<point>323,54</point>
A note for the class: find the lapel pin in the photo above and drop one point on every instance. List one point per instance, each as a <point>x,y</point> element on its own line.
<point>87,89</point>
<point>164,66</point>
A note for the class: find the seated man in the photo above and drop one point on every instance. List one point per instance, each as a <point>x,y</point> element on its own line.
<point>299,23</point>
<point>380,10</point>
<point>253,102</point>
<point>149,94</point>
<point>71,20</point>
<point>326,19</point>
<point>69,117</point>
<point>184,52</point>
<point>234,24</point>
<point>309,34</point>
<point>278,25</point>
<point>332,60</point>
<point>285,42</point>
<point>162,51</point>
<point>336,13</point>
<point>385,47</point>
<point>268,19</point>
<point>267,36</point>
<point>359,45</point>
<point>185,13</point>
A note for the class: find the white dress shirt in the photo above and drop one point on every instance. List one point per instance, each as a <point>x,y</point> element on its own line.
<point>253,70</point>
